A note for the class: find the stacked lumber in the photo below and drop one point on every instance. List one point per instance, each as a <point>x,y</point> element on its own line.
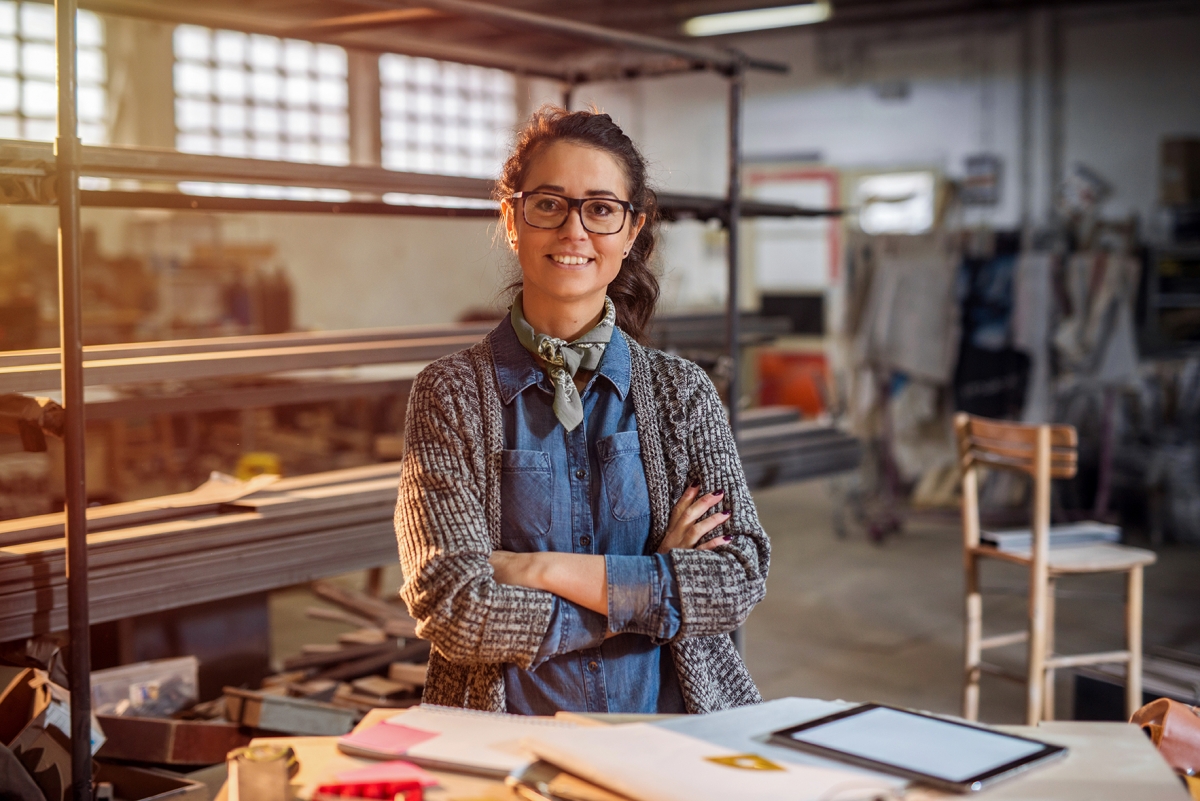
<point>165,553</point>
<point>324,691</point>
<point>777,447</point>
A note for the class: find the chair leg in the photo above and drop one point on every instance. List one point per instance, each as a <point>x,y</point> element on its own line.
<point>1048,688</point>
<point>1036,679</point>
<point>973,635</point>
<point>1133,641</point>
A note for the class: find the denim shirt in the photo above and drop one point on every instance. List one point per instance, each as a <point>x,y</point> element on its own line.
<point>584,491</point>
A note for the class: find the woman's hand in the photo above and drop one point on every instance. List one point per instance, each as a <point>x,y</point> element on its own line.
<point>685,528</point>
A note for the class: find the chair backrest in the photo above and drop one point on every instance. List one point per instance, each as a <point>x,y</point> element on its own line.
<point>1014,446</point>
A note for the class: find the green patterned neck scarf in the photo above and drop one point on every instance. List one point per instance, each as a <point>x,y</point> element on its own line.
<point>566,358</point>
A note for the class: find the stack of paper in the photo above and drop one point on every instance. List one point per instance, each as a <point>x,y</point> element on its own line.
<point>459,740</point>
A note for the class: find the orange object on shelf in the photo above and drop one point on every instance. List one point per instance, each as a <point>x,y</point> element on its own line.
<point>793,378</point>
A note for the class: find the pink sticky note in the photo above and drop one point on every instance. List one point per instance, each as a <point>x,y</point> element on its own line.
<point>385,739</point>
<point>395,771</point>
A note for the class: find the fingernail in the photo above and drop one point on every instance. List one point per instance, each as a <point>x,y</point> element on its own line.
<point>719,493</point>
<point>727,539</point>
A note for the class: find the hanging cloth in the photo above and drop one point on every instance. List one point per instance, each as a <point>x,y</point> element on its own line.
<point>565,359</point>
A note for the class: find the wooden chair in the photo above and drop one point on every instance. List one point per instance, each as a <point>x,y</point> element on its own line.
<point>1043,452</point>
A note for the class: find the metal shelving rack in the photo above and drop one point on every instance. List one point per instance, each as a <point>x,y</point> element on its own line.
<point>40,166</point>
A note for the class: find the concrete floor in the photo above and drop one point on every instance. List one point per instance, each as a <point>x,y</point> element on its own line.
<point>844,618</point>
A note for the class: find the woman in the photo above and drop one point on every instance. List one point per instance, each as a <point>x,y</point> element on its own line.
<point>574,526</point>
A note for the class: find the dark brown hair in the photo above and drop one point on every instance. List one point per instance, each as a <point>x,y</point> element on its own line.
<point>634,291</point>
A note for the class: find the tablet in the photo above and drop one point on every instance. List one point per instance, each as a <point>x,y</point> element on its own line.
<point>954,756</point>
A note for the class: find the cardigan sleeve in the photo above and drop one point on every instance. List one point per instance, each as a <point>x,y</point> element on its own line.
<point>442,533</point>
<point>719,588</point>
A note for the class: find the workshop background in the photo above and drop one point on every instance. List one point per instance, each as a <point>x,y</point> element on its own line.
<point>964,206</point>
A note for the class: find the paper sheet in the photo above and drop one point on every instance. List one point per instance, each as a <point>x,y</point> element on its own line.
<point>651,763</point>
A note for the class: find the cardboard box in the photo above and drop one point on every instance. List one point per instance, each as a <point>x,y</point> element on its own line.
<point>147,784</point>
<point>170,742</point>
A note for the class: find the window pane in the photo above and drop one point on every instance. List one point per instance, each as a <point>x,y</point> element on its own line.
<point>91,66</point>
<point>264,52</point>
<point>192,43</point>
<point>8,56</point>
<point>37,21</point>
<point>10,128</point>
<point>91,104</point>
<point>89,31</point>
<point>230,47</point>
<point>266,93</point>
<point>10,94</point>
<point>38,99</point>
<point>37,61</point>
<point>8,18</point>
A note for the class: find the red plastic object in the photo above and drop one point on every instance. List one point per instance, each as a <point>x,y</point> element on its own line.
<point>793,379</point>
<point>408,791</point>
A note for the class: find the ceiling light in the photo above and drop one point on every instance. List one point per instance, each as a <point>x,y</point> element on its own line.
<point>757,19</point>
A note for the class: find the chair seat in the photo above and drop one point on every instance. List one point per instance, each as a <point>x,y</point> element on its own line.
<point>1101,557</point>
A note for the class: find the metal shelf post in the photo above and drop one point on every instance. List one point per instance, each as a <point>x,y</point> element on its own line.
<point>68,157</point>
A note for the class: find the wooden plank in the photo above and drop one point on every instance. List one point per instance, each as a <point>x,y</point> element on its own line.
<point>194,366</point>
<point>50,614</point>
<point>344,654</point>
<point>175,347</point>
<point>363,604</point>
<point>171,742</point>
<point>280,713</point>
<point>415,651</point>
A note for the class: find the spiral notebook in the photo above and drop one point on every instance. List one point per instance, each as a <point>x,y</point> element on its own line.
<point>457,740</point>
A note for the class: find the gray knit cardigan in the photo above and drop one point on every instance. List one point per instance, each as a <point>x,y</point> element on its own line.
<point>448,522</point>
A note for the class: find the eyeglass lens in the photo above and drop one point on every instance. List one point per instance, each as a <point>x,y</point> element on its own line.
<point>599,216</point>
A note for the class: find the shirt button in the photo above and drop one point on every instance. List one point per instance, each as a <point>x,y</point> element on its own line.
<point>585,540</point>
<point>581,473</point>
<point>593,666</point>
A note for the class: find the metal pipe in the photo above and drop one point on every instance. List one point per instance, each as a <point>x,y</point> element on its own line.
<point>732,224</point>
<point>1056,95</point>
<point>723,60</point>
<point>68,157</point>
<point>737,85</point>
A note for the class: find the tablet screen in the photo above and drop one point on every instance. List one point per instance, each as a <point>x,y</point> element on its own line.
<point>917,743</point>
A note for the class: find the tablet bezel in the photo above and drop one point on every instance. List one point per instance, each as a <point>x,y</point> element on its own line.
<point>971,784</point>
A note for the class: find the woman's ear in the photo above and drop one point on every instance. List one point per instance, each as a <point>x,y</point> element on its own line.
<point>510,223</point>
<point>634,230</point>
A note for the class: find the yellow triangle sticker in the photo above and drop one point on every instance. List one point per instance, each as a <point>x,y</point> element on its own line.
<point>744,762</point>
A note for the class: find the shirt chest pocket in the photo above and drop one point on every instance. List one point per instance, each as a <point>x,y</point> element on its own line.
<point>526,499</point>
<point>624,477</point>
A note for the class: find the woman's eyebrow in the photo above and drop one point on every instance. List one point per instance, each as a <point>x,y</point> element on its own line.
<point>589,193</point>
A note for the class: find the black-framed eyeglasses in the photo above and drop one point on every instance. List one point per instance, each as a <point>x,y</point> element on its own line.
<point>599,215</point>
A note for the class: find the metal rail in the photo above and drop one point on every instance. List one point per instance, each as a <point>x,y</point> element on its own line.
<point>726,61</point>
<point>67,152</point>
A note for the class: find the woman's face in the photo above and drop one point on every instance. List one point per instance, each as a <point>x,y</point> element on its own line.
<point>569,264</point>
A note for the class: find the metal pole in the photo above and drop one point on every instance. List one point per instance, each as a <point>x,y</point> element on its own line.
<point>68,154</point>
<point>732,224</point>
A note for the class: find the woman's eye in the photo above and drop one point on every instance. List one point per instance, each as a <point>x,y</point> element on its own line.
<point>601,210</point>
<point>547,204</point>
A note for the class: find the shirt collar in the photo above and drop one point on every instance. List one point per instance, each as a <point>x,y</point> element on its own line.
<point>517,369</point>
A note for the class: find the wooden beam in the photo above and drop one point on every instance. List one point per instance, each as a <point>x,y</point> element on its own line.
<point>361,22</point>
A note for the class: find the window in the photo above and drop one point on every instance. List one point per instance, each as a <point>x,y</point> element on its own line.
<point>254,96</point>
<point>28,98</point>
<point>445,118</point>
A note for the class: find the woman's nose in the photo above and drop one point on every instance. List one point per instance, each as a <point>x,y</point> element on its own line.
<point>573,227</point>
